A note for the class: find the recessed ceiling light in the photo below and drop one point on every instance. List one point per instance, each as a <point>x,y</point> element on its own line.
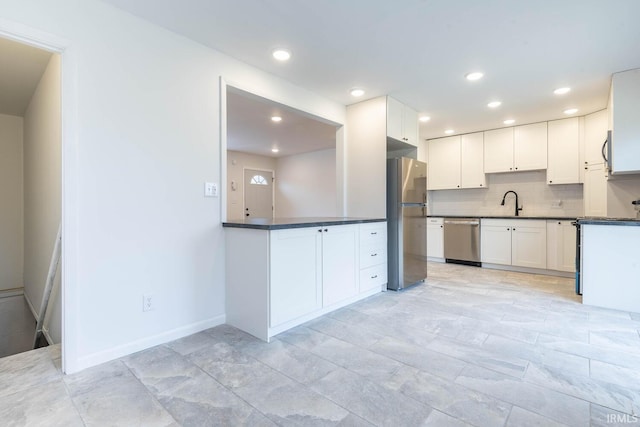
<point>571,111</point>
<point>276,119</point>
<point>281,54</point>
<point>509,122</point>
<point>357,92</point>
<point>449,131</point>
<point>494,104</point>
<point>424,119</point>
<point>274,150</point>
<point>562,90</point>
<point>476,75</point>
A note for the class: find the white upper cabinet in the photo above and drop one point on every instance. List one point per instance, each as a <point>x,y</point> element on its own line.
<point>444,166</point>
<point>564,151</point>
<point>456,162</point>
<point>519,148</point>
<point>530,147</point>
<point>402,122</point>
<point>595,135</point>
<point>625,126</point>
<point>498,150</point>
<point>472,161</point>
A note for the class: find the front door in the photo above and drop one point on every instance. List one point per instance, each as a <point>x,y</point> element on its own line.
<point>258,193</point>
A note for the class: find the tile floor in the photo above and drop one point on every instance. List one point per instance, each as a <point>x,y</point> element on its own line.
<point>17,326</point>
<point>470,347</point>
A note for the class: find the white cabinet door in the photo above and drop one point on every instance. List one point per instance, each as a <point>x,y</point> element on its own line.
<point>595,134</point>
<point>530,147</point>
<point>495,242</point>
<point>529,244</point>
<point>444,164</point>
<point>410,126</point>
<point>595,190</point>
<point>435,238</point>
<point>296,260</point>
<point>561,246</point>
<point>472,161</point>
<point>625,149</point>
<point>564,151</point>
<point>498,150</point>
<point>339,263</point>
<point>394,119</point>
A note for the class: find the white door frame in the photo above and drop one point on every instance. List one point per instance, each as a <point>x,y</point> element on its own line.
<point>69,174</point>
<point>273,187</point>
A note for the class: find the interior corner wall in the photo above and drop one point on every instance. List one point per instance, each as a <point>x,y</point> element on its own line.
<point>42,187</point>
<point>306,185</point>
<point>11,200</point>
<point>236,163</point>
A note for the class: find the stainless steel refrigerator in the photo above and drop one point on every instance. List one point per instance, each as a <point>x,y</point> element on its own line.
<point>406,222</point>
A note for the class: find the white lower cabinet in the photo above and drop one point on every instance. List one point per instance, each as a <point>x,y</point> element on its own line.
<point>296,273</point>
<point>373,256</point>
<point>278,279</point>
<point>520,242</point>
<point>561,246</point>
<point>435,239</point>
<point>339,263</point>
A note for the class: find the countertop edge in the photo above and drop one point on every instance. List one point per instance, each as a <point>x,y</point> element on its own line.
<point>609,221</point>
<point>303,224</point>
<point>553,218</point>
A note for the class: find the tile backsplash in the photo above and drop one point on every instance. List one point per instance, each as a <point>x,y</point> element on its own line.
<point>534,194</point>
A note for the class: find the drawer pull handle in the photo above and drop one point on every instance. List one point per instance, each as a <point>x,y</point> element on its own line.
<point>373,233</point>
<point>374,277</point>
<point>374,254</point>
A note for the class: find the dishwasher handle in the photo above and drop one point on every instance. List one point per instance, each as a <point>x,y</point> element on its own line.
<point>473,222</point>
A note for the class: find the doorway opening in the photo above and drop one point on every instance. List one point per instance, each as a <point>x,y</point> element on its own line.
<point>31,191</point>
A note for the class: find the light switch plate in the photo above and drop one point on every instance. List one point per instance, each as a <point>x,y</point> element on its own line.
<point>210,189</point>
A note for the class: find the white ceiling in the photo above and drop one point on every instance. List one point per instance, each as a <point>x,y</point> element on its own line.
<point>250,128</point>
<point>419,50</point>
<point>20,73</point>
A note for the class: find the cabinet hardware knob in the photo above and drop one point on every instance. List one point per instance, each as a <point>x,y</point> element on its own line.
<point>514,229</point>
<point>516,168</point>
<point>508,229</point>
<point>441,226</point>
<point>480,185</point>
<point>247,214</point>
<point>458,186</point>
<point>550,181</point>
<point>586,168</point>
<point>559,223</point>
<point>325,230</point>
<point>320,231</point>
<point>510,169</point>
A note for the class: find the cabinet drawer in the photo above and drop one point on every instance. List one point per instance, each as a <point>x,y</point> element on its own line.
<point>373,233</point>
<point>373,277</point>
<point>372,255</point>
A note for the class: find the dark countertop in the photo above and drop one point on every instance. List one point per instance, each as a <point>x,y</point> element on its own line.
<point>609,221</point>
<point>555,218</point>
<point>282,223</point>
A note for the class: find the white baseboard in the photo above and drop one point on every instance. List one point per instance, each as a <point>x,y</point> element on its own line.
<point>144,343</point>
<point>11,292</point>
<point>529,270</point>
<point>33,310</point>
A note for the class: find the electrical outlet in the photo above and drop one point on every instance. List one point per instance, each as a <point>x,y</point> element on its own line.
<point>148,302</point>
<point>210,189</point>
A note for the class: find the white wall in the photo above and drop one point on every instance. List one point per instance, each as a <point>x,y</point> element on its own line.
<point>366,159</point>
<point>42,187</point>
<point>11,202</point>
<point>306,185</point>
<point>236,163</point>
<point>141,134</point>
<point>533,193</point>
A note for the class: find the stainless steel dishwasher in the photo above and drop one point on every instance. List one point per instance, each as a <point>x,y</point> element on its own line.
<point>462,240</point>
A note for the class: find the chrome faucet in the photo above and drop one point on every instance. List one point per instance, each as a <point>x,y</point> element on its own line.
<point>505,196</point>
